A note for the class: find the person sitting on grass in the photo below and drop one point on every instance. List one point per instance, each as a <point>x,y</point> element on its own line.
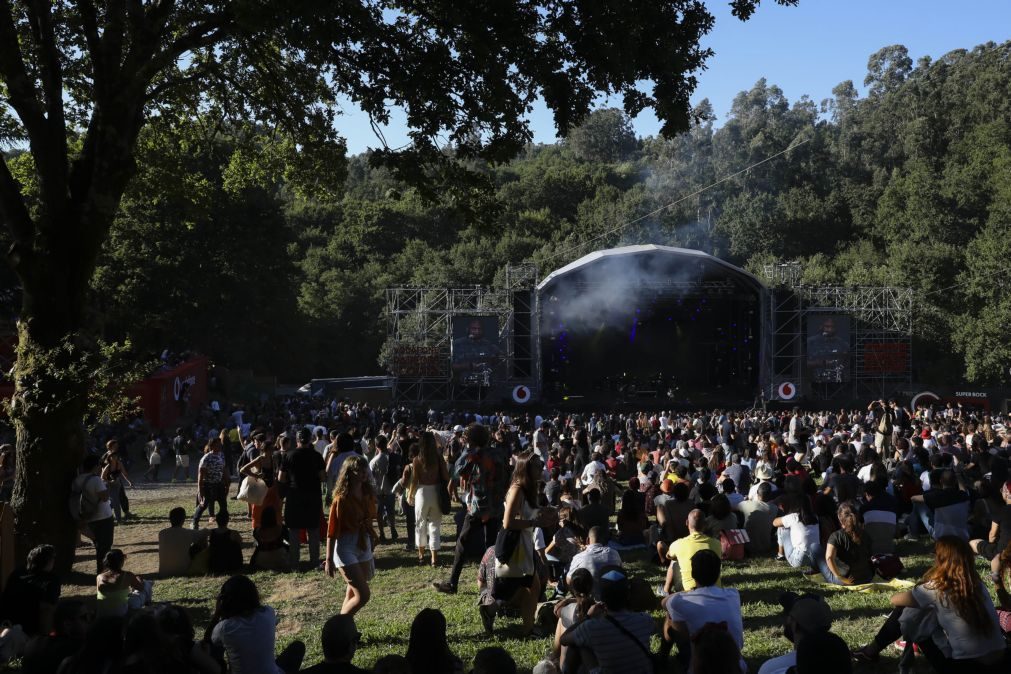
<point>44,653</point>
<point>716,652</point>
<point>428,650</point>
<point>115,586</point>
<point>803,617</point>
<point>683,549</point>
<point>967,636</point>
<point>999,535</point>
<point>823,653</point>
<point>174,543</point>
<point>563,547</point>
<point>244,631</point>
<point>493,660</point>
<point>572,609</point>
<point>31,593</point>
<point>340,639</point>
<point>758,515</point>
<point>799,535</point>
<point>612,637</point>
<point>271,551</point>
<point>847,558</point>
<point>225,546</point>
<point>596,555</point>
<point>689,612</point>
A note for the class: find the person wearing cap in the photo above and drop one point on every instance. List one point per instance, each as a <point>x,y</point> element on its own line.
<point>303,472</point>
<point>688,612</point>
<point>339,639</point>
<point>617,638</point>
<point>683,550</point>
<point>803,616</point>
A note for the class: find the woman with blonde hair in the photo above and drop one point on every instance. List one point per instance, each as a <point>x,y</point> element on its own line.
<point>952,599</point>
<point>429,475</point>
<point>350,537</point>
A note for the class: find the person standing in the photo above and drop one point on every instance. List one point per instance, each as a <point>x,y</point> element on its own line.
<point>429,475</point>
<point>384,472</point>
<point>114,474</point>
<point>263,465</point>
<point>302,473</point>
<point>212,481</point>
<point>96,509</point>
<point>153,450</point>
<point>180,447</point>
<point>350,537</point>
<point>485,471</point>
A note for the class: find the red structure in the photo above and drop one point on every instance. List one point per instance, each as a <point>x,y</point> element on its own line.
<point>168,395</point>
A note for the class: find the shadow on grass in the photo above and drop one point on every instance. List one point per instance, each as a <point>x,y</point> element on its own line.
<point>838,614</point>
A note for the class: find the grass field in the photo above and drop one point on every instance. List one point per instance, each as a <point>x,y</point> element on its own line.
<point>401,588</point>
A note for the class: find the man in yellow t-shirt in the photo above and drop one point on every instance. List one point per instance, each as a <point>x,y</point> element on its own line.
<point>682,550</point>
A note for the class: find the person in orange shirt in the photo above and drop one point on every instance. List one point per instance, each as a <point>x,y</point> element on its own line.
<point>350,537</point>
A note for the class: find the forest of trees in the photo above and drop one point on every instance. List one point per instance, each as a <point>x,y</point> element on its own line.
<point>222,245</point>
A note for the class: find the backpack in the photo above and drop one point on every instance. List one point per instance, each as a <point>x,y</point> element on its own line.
<point>732,544</point>
<point>82,508</point>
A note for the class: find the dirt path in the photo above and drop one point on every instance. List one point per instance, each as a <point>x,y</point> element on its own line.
<point>138,536</point>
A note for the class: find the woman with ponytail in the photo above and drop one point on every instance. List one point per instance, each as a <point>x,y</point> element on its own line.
<point>847,559</point>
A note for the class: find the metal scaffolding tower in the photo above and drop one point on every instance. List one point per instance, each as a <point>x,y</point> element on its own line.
<point>420,335</point>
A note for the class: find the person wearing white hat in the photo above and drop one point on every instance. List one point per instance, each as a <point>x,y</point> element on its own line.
<point>763,474</point>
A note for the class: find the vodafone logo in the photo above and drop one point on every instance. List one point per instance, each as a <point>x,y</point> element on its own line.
<point>521,394</point>
<point>177,385</point>
<point>786,391</point>
<point>924,398</point>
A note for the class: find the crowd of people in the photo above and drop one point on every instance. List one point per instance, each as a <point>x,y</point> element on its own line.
<point>551,509</point>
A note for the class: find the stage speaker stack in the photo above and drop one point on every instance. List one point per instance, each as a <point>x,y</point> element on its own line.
<point>523,343</point>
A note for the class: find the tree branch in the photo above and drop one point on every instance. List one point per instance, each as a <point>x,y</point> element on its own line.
<point>15,216</point>
<point>51,74</point>
<point>89,22</point>
<point>201,35</point>
<point>21,91</point>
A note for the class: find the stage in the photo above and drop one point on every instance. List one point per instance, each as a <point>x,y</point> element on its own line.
<point>650,325</point>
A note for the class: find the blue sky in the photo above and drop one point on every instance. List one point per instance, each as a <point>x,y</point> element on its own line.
<point>806,49</point>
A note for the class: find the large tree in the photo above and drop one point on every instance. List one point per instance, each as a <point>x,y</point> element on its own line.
<point>79,79</point>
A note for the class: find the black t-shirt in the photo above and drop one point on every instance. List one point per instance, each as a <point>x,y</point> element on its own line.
<point>24,594</point>
<point>303,466</point>
<point>883,501</point>
<point>939,498</point>
<point>854,557</point>
<point>844,486</point>
<point>1002,518</point>
<point>303,503</point>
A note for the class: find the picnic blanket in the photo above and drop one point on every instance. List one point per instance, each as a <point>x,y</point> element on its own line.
<point>879,585</point>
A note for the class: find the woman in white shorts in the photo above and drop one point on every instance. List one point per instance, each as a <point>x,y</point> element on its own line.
<point>350,537</point>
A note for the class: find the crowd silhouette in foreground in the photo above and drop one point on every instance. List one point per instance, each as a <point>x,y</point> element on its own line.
<point>550,511</point>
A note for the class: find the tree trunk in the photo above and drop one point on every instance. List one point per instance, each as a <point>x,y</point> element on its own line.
<point>48,407</point>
